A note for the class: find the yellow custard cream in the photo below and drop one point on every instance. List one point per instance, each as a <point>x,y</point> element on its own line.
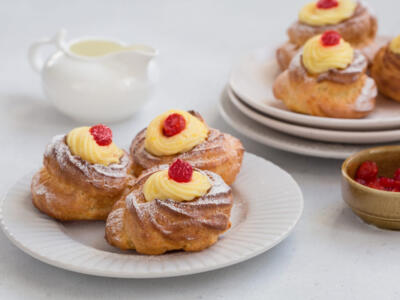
<point>158,144</point>
<point>81,143</point>
<point>312,15</point>
<point>160,186</point>
<point>318,58</point>
<point>395,45</point>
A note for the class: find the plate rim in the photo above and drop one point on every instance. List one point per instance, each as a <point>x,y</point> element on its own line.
<point>162,274</point>
<point>286,146</point>
<point>312,121</point>
<point>303,131</point>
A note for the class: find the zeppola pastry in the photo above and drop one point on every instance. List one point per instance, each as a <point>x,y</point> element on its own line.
<point>351,18</point>
<point>180,134</point>
<point>386,69</point>
<point>84,173</point>
<point>327,79</point>
<point>170,208</point>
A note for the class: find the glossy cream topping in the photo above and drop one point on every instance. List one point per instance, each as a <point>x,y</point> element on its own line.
<point>394,45</point>
<point>312,15</point>
<point>81,143</point>
<point>318,58</point>
<point>160,186</point>
<point>158,144</point>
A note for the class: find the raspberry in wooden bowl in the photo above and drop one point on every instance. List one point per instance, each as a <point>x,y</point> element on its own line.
<point>370,185</point>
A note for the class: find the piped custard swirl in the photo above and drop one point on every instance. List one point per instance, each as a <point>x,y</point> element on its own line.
<point>82,143</point>
<point>318,58</point>
<point>315,15</point>
<point>158,144</point>
<point>394,45</point>
<point>160,186</point>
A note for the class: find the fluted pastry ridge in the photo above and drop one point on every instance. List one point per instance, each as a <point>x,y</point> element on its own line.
<point>359,30</point>
<point>163,225</point>
<point>70,188</point>
<point>220,153</point>
<point>386,72</point>
<point>347,93</point>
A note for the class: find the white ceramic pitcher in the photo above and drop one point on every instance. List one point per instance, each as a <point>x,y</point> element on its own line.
<point>96,80</point>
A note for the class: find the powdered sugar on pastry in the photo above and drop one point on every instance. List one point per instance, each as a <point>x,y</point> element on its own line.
<point>64,157</point>
<point>213,141</point>
<point>369,91</point>
<point>42,190</point>
<point>359,29</point>
<point>189,212</point>
<point>348,75</point>
<point>116,224</point>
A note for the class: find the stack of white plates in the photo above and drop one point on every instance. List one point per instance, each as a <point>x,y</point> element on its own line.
<point>250,107</point>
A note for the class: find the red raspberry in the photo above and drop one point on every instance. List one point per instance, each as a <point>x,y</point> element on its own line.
<point>330,38</point>
<point>396,185</point>
<point>375,184</point>
<point>173,124</point>
<point>361,181</point>
<point>180,171</point>
<point>101,134</point>
<point>387,183</point>
<point>396,175</point>
<point>368,171</point>
<point>326,4</point>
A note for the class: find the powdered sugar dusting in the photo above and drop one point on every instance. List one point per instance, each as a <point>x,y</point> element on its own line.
<point>368,92</point>
<point>347,75</point>
<point>65,157</point>
<point>300,32</point>
<point>115,223</point>
<point>145,159</point>
<point>296,65</point>
<point>190,212</point>
<point>359,63</point>
<point>41,190</point>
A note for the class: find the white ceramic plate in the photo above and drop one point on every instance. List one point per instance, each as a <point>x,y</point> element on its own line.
<point>318,134</point>
<point>267,205</point>
<point>278,140</point>
<point>252,81</point>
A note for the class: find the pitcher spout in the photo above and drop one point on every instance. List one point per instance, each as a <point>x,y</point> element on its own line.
<point>135,58</point>
<point>145,51</point>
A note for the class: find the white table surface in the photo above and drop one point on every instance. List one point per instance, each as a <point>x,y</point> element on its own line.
<point>330,254</point>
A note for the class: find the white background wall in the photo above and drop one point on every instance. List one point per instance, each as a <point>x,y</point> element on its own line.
<point>330,255</point>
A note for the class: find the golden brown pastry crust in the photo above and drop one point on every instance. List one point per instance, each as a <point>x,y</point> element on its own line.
<point>285,53</point>
<point>164,225</point>
<point>386,72</point>
<point>69,188</point>
<point>348,93</point>
<point>359,30</point>
<point>220,153</point>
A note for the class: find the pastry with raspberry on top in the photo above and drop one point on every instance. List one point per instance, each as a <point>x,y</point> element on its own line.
<point>352,19</point>
<point>327,79</point>
<point>386,69</point>
<point>180,134</point>
<point>84,173</point>
<point>171,207</point>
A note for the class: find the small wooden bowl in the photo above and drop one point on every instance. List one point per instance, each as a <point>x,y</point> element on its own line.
<point>380,208</point>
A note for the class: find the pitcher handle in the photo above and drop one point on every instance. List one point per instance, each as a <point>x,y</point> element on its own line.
<point>35,59</point>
